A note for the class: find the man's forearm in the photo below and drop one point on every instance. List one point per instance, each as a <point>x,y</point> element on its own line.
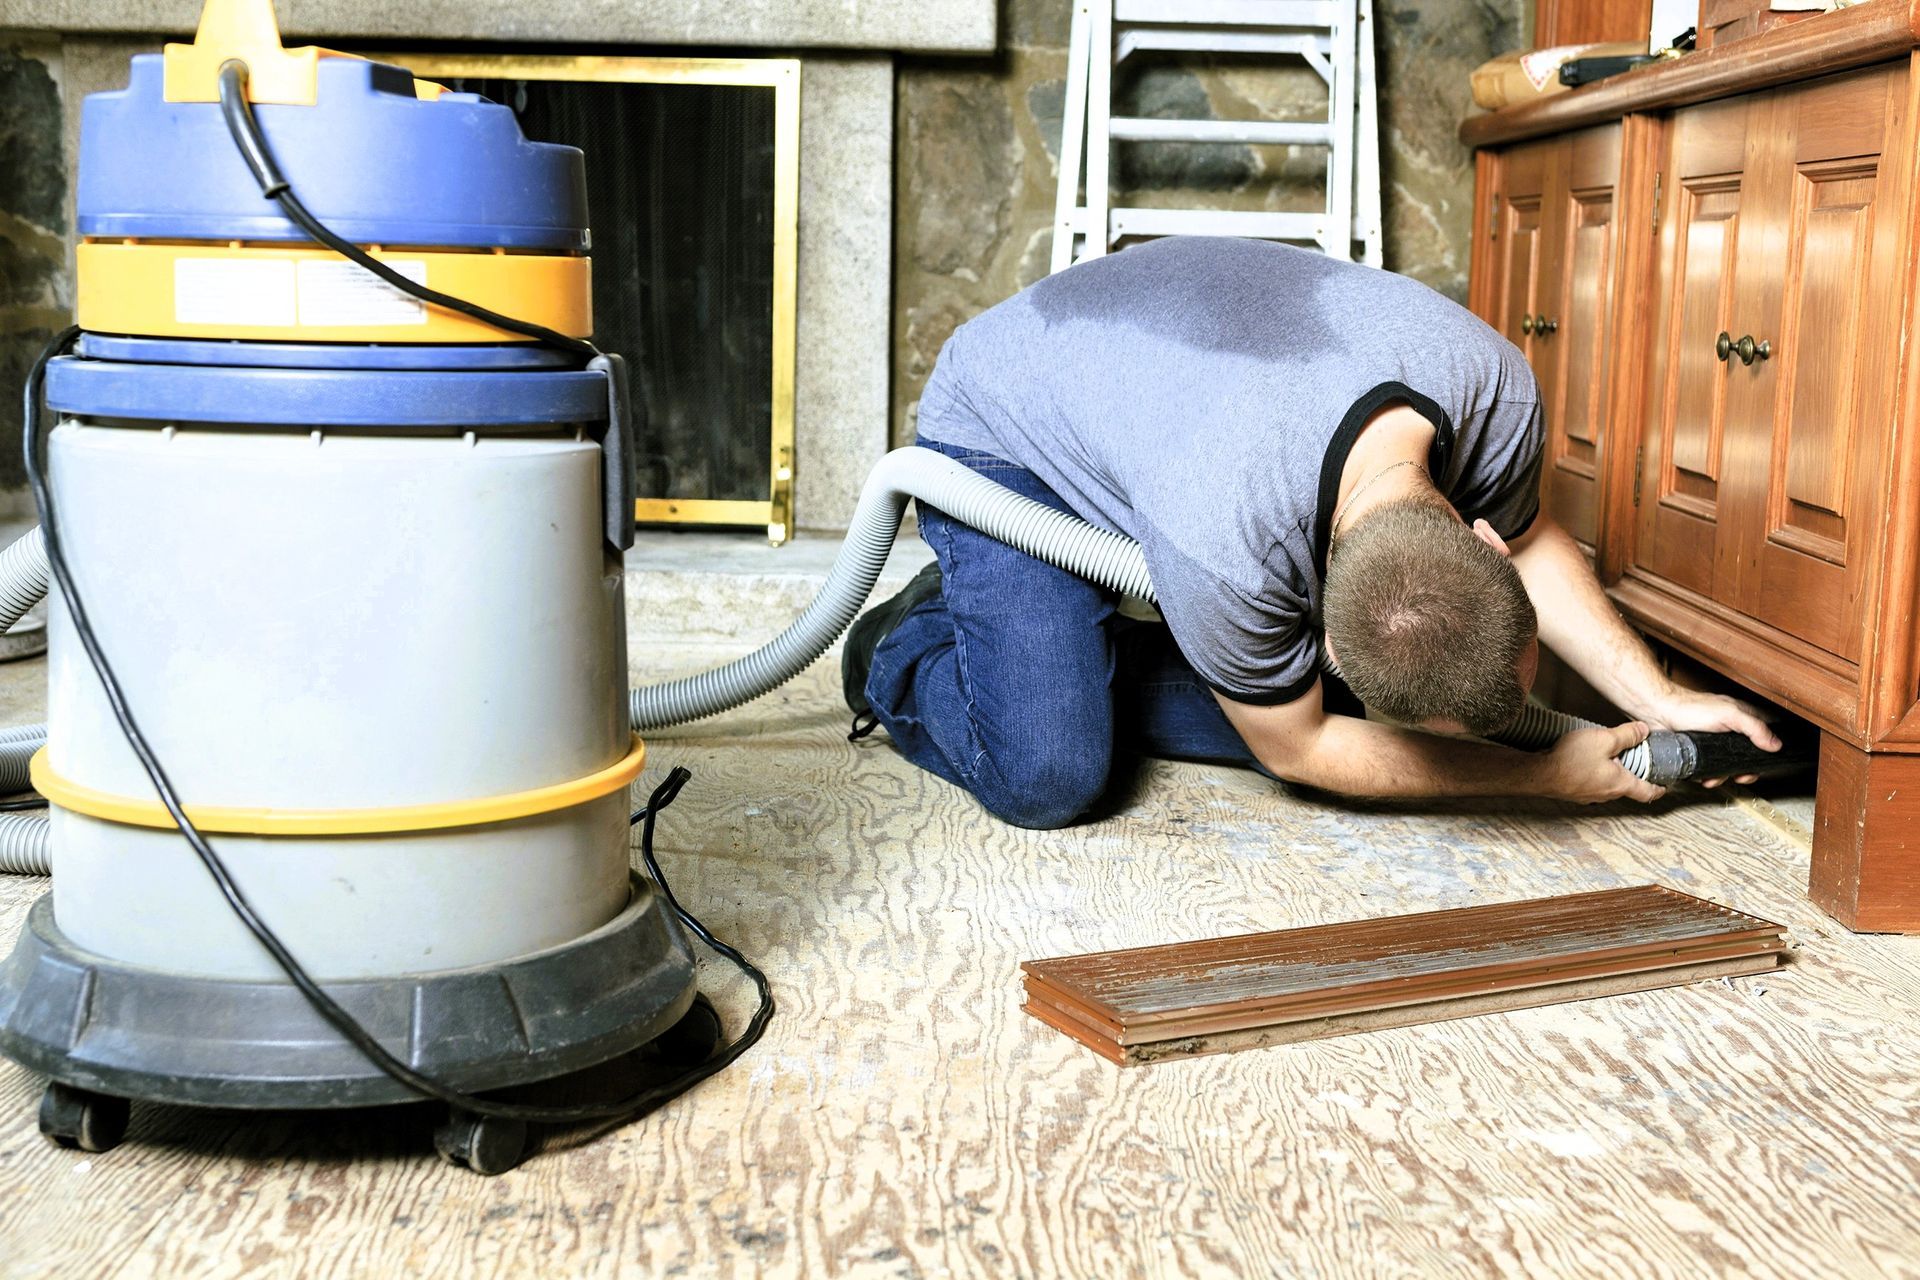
<point>1579,623</point>
<point>1301,743</point>
<point>1363,758</point>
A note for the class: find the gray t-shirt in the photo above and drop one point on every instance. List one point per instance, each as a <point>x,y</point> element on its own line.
<point>1200,395</point>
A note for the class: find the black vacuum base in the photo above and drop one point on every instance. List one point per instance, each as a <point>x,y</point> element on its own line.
<point>105,1032</point>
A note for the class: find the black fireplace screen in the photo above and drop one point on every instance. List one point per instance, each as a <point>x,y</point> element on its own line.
<point>681,194</point>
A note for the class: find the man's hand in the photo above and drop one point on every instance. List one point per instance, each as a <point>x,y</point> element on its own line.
<point>1686,709</point>
<point>1581,766</point>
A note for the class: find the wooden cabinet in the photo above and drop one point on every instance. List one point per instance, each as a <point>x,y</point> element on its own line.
<point>1725,254</point>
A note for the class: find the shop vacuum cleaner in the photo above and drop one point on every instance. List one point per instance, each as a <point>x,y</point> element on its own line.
<point>340,601</point>
<point>331,528</point>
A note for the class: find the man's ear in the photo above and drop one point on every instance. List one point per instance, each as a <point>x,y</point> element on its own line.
<point>1484,531</point>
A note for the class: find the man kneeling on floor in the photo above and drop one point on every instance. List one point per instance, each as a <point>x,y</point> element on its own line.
<point>1304,447</point>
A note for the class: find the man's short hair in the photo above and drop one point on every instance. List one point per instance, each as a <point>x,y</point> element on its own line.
<point>1428,622</point>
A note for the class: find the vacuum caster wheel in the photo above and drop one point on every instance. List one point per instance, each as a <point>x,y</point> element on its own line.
<point>485,1144</point>
<point>76,1118</point>
<point>690,1041</point>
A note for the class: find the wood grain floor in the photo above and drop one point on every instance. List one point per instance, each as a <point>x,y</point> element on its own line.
<point>905,1118</point>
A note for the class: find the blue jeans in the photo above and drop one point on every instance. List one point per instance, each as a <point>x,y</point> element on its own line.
<point>1021,683</point>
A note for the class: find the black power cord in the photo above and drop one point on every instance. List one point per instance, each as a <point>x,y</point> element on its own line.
<point>237,111</point>
<point>240,121</point>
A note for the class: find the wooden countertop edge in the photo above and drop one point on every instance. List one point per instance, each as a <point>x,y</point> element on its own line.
<point>1867,33</point>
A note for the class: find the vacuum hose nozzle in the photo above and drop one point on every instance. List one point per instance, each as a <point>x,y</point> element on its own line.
<point>1674,757</point>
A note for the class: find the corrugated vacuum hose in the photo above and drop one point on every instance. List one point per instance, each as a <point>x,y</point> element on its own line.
<point>1107,558</point>
<point>23,576</point>
<point>23,836</point>
<point>24,840</point>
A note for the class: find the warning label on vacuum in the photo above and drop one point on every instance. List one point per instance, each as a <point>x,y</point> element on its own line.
<point>233,291</point>
<point>282,293</point>
<point>343,293</point>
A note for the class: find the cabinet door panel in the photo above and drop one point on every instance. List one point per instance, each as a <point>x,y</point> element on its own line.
<point>1578,347</point>
<point>1583,363</point>
<point>1682,517</point>
<point>1833,225</point>
<point>1519,249</point>
<point>1711,239</point>
<point>1833,341</point>
<point>1522,258</point>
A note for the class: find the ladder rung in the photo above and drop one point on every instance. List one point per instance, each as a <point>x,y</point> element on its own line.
<point>1227,13</point>
<point>1216,222</point>
<point>1255,132</point>
<point>1201,40</point>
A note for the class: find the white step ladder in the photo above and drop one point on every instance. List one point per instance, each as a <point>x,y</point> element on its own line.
<point>1333,37</point>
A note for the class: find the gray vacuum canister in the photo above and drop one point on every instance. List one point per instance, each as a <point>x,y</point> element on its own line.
<point>384,662</point>
<point>339,623</point>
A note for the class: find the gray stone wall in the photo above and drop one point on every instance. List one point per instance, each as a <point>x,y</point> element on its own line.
<point>979,141</point>
<point>35,294</point>
<point>943,26</point>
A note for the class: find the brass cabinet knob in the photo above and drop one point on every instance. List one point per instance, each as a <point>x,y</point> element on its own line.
<point>1750,351</point>
<point>1723,345</point>
<point>1526,324</point>
<point>1545,325</point>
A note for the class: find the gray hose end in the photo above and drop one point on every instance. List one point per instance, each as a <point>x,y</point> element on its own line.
<point>15,759</point>
<point>1670,757</point>
<point>25,844</point>
<point>1635,760</point>
<point>23,576</point>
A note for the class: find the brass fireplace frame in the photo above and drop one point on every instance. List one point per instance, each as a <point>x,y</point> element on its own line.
<point>782,75</point>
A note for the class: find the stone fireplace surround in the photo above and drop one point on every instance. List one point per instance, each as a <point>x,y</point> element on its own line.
<point>846,146</point>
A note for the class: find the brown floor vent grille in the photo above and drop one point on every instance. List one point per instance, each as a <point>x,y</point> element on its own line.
<point>1188,998</point>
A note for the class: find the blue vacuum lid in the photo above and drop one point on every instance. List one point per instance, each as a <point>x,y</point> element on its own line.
<point>322,355</point>
<point>371,160</point>
<point>386,399</point>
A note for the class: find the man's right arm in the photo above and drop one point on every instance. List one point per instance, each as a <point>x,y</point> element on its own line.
<point>1301,743</point>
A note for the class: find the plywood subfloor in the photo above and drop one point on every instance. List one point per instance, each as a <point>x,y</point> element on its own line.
<point>905,1118</point>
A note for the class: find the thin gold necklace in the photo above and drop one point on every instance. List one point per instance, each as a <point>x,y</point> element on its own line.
<point>1371,481</point>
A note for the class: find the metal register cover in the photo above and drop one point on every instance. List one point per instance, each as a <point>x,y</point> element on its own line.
<point>1188,998</point>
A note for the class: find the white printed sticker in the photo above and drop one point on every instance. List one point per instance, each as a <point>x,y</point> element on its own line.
<point>233,291</point>
<point>338,292</point>
<point>1543,65</point>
